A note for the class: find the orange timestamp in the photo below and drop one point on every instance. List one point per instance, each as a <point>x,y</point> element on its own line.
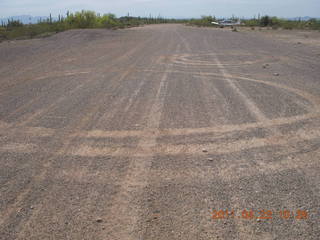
<point>249,214</point>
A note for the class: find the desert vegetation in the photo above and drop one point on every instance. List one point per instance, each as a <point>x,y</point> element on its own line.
<point>204,21</point>
<point>265,21</point>
<point>13,29</point>
<point>275,23</point>
<point>85,19</point>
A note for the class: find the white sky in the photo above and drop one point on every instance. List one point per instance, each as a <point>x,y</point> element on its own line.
<point>166,8</point>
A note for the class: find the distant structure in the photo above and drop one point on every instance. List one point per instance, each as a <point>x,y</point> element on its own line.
<point>228,22</point>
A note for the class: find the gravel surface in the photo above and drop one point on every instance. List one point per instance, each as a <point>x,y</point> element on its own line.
<point>155,132</point>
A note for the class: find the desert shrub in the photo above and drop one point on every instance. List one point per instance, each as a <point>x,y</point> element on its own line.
<point>14,24</point>
<point>275,23</point>
<point>314,24</point>
<point>251,22</point>
<point>265,21</point>
<point>204,21</point>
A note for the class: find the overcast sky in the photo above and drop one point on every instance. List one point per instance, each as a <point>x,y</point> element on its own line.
<point>166,8</point>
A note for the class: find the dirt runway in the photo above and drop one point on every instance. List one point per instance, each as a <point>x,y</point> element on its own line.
<point>160,132</point>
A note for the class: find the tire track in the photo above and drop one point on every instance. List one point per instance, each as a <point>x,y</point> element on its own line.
<point>125,214</point>
<point>66,137</point>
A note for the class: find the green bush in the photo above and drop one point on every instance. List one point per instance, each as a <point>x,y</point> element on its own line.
<point>108,20</point>
<point>83,19</point>
<point>265,21</point>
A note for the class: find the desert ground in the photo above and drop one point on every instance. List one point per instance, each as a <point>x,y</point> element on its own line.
<point>160,132</point>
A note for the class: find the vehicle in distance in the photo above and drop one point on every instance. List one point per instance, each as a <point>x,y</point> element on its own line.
<point>224,23</point>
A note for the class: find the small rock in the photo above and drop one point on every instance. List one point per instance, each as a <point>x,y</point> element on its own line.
<point>258,220</point>
<point>31,207</point>
<point>99,220</point>
<point>210,159</point>
<point>204,150</point>
<point>276,74</point>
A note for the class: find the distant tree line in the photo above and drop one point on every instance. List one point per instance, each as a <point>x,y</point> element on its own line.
<point>265,21</point>
<point>274,22</point>
<point>13,29</point>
